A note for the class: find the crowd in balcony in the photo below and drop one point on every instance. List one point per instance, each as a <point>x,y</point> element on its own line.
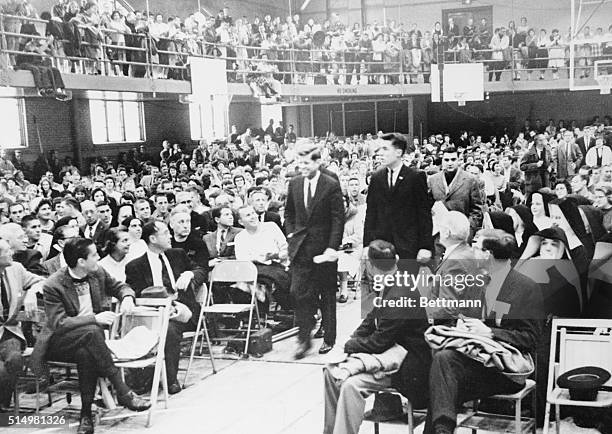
<point>269,51</point>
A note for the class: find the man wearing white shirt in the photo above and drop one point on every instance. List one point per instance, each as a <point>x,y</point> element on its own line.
<point>599,155</point>
<point>264,244</point>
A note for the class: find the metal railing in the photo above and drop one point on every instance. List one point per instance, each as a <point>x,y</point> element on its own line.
<point>142,56</point>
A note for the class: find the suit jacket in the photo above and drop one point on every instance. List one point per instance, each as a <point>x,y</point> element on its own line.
<point>227,247</point>
<point>461,261</point>
<point>98,236</point>
<point>270,160</point>
<point>463,195</point>
<point>271,216</point>
<point>62,307</point>
<point>563,156</point>
<point>517,315</point>
<point>139,276</point>
<point>584,147</point>
<point>536,177</point>
<point>18,280</point>
<point>312,231</point>
<point>31,259</point>
<point>402,215</point>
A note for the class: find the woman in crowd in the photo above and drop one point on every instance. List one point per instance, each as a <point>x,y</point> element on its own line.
<point>522,222</point>
<point>531,42</point>
<point>601,195</point>
<point>542,52</point>
<point>117,34</point>
<point>46,189</point>
<point>562,189</point>
<point>138,247</point>
<point>116,249</point>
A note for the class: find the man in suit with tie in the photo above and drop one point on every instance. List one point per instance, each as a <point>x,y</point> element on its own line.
<point>60,236</point>
<point>457,189</point>
<point>538,165</point>
<point>14,280</point>
<point>314,218</point>
<point>567,157</point>
<point>587,141</point>
<point>258,199</point>
<point>398,207</point>
<point>93,229</point>
<point>78,308</point>
<point>220,243</point>
<point>164,266</point>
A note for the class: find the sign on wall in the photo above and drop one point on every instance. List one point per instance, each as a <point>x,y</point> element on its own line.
<point>208,78</point>
<point>460,82</point>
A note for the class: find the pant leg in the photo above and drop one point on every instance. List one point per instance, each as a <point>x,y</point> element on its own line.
<point>11,364</point>
<point>305,294</point>
<point>345,401</point>
<point>455,379</point>
<point>172,349</point>
<point>328,315</point>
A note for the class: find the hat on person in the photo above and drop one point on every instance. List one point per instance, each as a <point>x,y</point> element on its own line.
<point>583,383</point>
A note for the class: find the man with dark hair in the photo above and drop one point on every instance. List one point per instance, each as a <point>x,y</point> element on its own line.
<point>457,189</point>
<point>513,315</point>
<point>37,240</point>
<point>220,243</point>
<point>398,208</point>
<point>161,212</point>
<point>105,214</point>
<point>537,163</point>
<point>93,229</point>
<point>171,268</point>
<point>16,212</point>
<point>314,218</point>
<point>78,308</point>
<point>383,330</point>
<point>60,236</point>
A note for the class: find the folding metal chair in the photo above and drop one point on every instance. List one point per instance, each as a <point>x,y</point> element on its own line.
<point>156,318</point>
<point>231,271</point>
<point>582,342</point>
<point>201,298</point>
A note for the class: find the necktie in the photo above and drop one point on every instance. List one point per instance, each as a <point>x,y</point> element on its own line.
<point>4,298</point>
<point>310,196</point>
<point>599,159</point>
<point>165,276</point>
<point>390,178</point>
<point>90,233</point>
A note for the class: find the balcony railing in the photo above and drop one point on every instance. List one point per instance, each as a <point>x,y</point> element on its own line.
<point>147,57</point>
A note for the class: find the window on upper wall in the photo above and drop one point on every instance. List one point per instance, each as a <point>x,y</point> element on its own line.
<point>207,119</point>
<point>116,117</point>
<point>12,112</point>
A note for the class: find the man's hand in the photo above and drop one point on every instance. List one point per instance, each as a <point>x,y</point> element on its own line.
<point>539,163</point>
<point>184,280</point>
<point>106,318</point>
<point>423,256</point>
<point>30,304</point>
<point>127,305</point>
<point>477,327</point>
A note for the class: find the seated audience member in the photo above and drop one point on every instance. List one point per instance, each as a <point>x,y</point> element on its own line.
<point>352,246</point>
<point>393,337</point>
<point>93,229</point>
<point>16,212</point>
<point>538,204</point>
<point>198,222</point>
<point>220,243</point>
<point>61,234</point>
<point>37,240</point>
<point>264,244</point>
<point>161,212</point>
<point>15,280</point>
<point>599,155</point>
<point>105,214</point>
<point>183,237</point>
<point>44,212</point>
<point>512,316</point>
<point>259,200</point>
<point>142,210</point>
<point>458,260</point>
<point>77,304</point>
<point>133,225</point>
<point>17,238</point>
<point>161,265</point>
<point>115,250</point>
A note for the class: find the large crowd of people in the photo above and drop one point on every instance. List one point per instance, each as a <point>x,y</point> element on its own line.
<point>315,215</point>
<point>293,50</point>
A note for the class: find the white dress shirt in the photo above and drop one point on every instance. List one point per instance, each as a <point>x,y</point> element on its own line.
<point>254,246</point>
<point>156,269</point>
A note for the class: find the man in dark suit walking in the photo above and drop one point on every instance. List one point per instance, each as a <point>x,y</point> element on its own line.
<point>314,217</point>
<point>586,142</point>
<point>398,208</point>
<point>537,164</point>
<point>171,268</point>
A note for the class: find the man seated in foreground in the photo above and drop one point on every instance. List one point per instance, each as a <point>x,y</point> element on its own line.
<point>264,244</point>
<point>77,304</point>
<point>395,335</point>
<point>513,315</point>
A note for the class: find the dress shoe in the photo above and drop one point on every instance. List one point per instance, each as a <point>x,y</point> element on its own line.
<point>86,426</point>
<point>325,348</point>
<point>320,333</point>
<point>174,388</point>
<point>302,350</point>
<point>134,402</point>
